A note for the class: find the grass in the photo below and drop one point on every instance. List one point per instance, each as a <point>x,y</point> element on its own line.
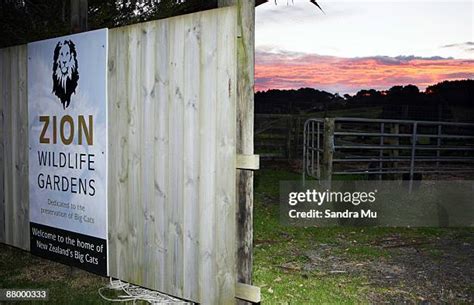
<point>279,254</point>
<point>19,269</point>
<point>286,288</point>
<point>285,246</point>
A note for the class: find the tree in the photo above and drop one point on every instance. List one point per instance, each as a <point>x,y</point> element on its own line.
<point>23,21</point>
<point>30,20</point>
<point>259,2</point>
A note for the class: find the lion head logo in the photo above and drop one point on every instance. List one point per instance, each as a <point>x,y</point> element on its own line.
<point>65,73</point>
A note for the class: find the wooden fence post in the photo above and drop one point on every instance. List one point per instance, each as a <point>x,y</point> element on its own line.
<point>79,10</point>
<point>288,138</point>
<point>393,153</point>
<point>297,136</point>
<point>328,151</point>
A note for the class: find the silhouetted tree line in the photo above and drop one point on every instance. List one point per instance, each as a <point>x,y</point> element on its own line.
<point>292,101</point>
<point>399,102</point>
<point>23,21</point>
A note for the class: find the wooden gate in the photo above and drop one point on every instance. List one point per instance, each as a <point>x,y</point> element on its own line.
<point>172,119</point>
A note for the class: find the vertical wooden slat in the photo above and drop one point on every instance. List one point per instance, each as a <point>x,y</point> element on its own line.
<point>112,76</point>
<point>207,165</point>
<point>3,78</point>
<point>147,59</point>
<point>191,202</point>
<point>14,148</point>
<point>9,178</point>
<point>118,155</point>
<point>7,145</point>
<point>135,136</point>
<point>226,159</point>
<point>22,174</point>
<point>161,148</point>
<point>176,138</point>
<point>13,151</point>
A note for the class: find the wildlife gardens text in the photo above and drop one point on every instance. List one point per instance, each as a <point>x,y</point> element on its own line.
<point>67,131</point>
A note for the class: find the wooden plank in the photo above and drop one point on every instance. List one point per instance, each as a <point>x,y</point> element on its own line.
<point>207,155</point>
<point>78,15</point>
<point>248,293</point>
<point>21,166</point>
<point>225,159</point>
<point>175,216</point>
<point>124,263</point>
<point>135,138</point>
<point>13,148</point>
<point>147,59</point>
<point>248,162</point>
<point>8,143</point>
<point>161,148</point>
<point>118,152</point>
<point>112,104</point>
<point>245,121</point>
<point>3,78</point>
<point>191,155</point>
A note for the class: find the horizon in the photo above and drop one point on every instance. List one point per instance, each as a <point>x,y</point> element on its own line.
<point>353,94</point>
<point>420,43</point>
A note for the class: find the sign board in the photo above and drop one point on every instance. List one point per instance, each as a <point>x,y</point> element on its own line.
<point>67,120</point>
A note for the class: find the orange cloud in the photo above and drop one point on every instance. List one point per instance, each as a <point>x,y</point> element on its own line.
<point>349,75</point>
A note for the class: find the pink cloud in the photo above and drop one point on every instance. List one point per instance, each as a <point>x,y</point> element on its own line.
<point>288,70</point>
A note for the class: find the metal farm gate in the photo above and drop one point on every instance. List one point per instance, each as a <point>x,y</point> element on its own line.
<point>379,147</point>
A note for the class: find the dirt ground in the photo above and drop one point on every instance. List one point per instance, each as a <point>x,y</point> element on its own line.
<point>438,270</point>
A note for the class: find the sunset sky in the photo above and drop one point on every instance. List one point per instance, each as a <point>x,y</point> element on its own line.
<point>362,44</point>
